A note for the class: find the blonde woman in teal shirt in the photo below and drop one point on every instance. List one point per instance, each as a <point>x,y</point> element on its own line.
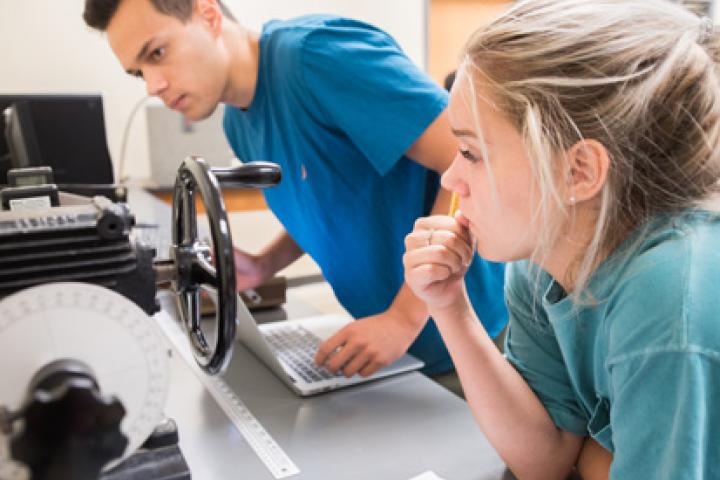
<point>590,157</point>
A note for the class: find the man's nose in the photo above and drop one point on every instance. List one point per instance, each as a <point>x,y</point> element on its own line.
<point>155,83</point>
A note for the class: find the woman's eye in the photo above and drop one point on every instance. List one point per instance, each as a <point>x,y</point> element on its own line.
<point>467,155</point>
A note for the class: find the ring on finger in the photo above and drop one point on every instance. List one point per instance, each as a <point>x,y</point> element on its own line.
<point>428,237</point>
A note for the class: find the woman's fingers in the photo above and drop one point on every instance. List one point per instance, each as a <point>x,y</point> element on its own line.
<point>436,240</point>
<point>427,274</point>
<point>445,223</point>
<point>438,255</point>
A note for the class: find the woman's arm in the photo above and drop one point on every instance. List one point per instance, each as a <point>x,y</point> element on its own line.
<point>512,417</point>
<point>515,421</point>
<point>594,461</point>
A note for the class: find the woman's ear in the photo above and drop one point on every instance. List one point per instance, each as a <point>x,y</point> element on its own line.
<point>588,163</point>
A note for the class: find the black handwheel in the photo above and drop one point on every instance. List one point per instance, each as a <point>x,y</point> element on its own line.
<point>193,258</point>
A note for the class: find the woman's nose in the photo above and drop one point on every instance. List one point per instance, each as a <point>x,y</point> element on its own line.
<point>451,177</point>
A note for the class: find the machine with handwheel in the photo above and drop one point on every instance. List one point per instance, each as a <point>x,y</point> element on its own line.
<point>83,367</point>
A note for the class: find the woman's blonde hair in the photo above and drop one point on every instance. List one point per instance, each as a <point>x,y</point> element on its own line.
<point>638,76</point>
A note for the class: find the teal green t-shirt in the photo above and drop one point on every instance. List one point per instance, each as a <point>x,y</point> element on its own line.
<point>639,368</point>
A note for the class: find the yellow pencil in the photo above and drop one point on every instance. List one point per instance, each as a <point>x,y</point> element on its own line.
<point>453,204</point>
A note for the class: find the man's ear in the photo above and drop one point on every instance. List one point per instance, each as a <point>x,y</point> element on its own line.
<point>588,164</point>
<point>210,14</point>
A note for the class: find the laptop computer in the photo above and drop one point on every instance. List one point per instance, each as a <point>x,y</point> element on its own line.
<point>287,348</point>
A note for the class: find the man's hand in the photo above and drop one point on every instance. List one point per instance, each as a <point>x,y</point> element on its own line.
<point>253,270</point>
<point>249,270</point>
<point>366,345</point>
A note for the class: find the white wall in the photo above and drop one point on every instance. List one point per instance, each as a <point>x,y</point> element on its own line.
<point>46,48</point>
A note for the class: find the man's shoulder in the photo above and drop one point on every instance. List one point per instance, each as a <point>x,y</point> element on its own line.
<point>323,31</point>
<point>296,27</point>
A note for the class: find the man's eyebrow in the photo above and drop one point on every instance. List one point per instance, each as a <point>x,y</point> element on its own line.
<point>141,54</point>
<point>463,133</point>
<point>144,50</point>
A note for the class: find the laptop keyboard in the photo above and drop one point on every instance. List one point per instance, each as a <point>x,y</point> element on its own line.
<point>296,346</point>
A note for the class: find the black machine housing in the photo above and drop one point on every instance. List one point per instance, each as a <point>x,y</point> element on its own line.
<point>81,240</point>
<point>46,236</point>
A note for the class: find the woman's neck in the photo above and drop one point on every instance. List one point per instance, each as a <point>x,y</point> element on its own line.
<point>564,259</point>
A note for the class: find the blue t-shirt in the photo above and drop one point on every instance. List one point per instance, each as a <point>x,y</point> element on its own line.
<point>337,104</point>
<point>639,370</point>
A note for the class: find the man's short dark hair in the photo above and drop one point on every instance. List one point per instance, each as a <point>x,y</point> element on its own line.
<point>99,13</point>
<point>449,80</point>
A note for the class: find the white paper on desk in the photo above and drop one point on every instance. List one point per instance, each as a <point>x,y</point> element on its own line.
<point>429,475</point>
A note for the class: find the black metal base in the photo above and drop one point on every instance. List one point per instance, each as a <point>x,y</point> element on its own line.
<point>159,458</point>
<point>165,463</point>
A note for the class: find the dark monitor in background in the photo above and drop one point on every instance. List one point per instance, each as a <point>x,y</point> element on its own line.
<point>64,132</point>
<point>17,128</point>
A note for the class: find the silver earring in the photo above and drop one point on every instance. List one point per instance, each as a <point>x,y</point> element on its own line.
<point>572,200</point>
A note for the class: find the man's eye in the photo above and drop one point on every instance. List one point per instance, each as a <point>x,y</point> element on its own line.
<point>158,53</point>
<point>137,74</point>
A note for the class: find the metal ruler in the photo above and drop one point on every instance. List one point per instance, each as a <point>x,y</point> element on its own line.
<point>264,446</point>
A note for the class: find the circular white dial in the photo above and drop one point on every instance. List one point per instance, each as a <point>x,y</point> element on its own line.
<point>120,343</point>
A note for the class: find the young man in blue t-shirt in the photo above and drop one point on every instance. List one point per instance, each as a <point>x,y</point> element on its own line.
<point>360,132</point>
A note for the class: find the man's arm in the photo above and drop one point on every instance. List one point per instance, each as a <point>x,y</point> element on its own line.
<point>366,346</point>
<point>435,150</point>
<point>253,270</point>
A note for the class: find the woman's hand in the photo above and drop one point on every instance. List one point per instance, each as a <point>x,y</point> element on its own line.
<point>438,252</point>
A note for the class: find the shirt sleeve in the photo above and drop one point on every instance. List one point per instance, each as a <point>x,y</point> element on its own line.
<point>364,85</point>
<point>663,362</point>
<point>664,416</point>
<point>531,347</point>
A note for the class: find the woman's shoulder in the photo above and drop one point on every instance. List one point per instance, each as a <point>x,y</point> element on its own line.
<point>664,295</point>
<point>525,279</point>
<point>525,287</point>
<point>670,251</point>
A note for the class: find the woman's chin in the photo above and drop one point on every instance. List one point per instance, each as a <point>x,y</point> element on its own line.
<point>497,253</point>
